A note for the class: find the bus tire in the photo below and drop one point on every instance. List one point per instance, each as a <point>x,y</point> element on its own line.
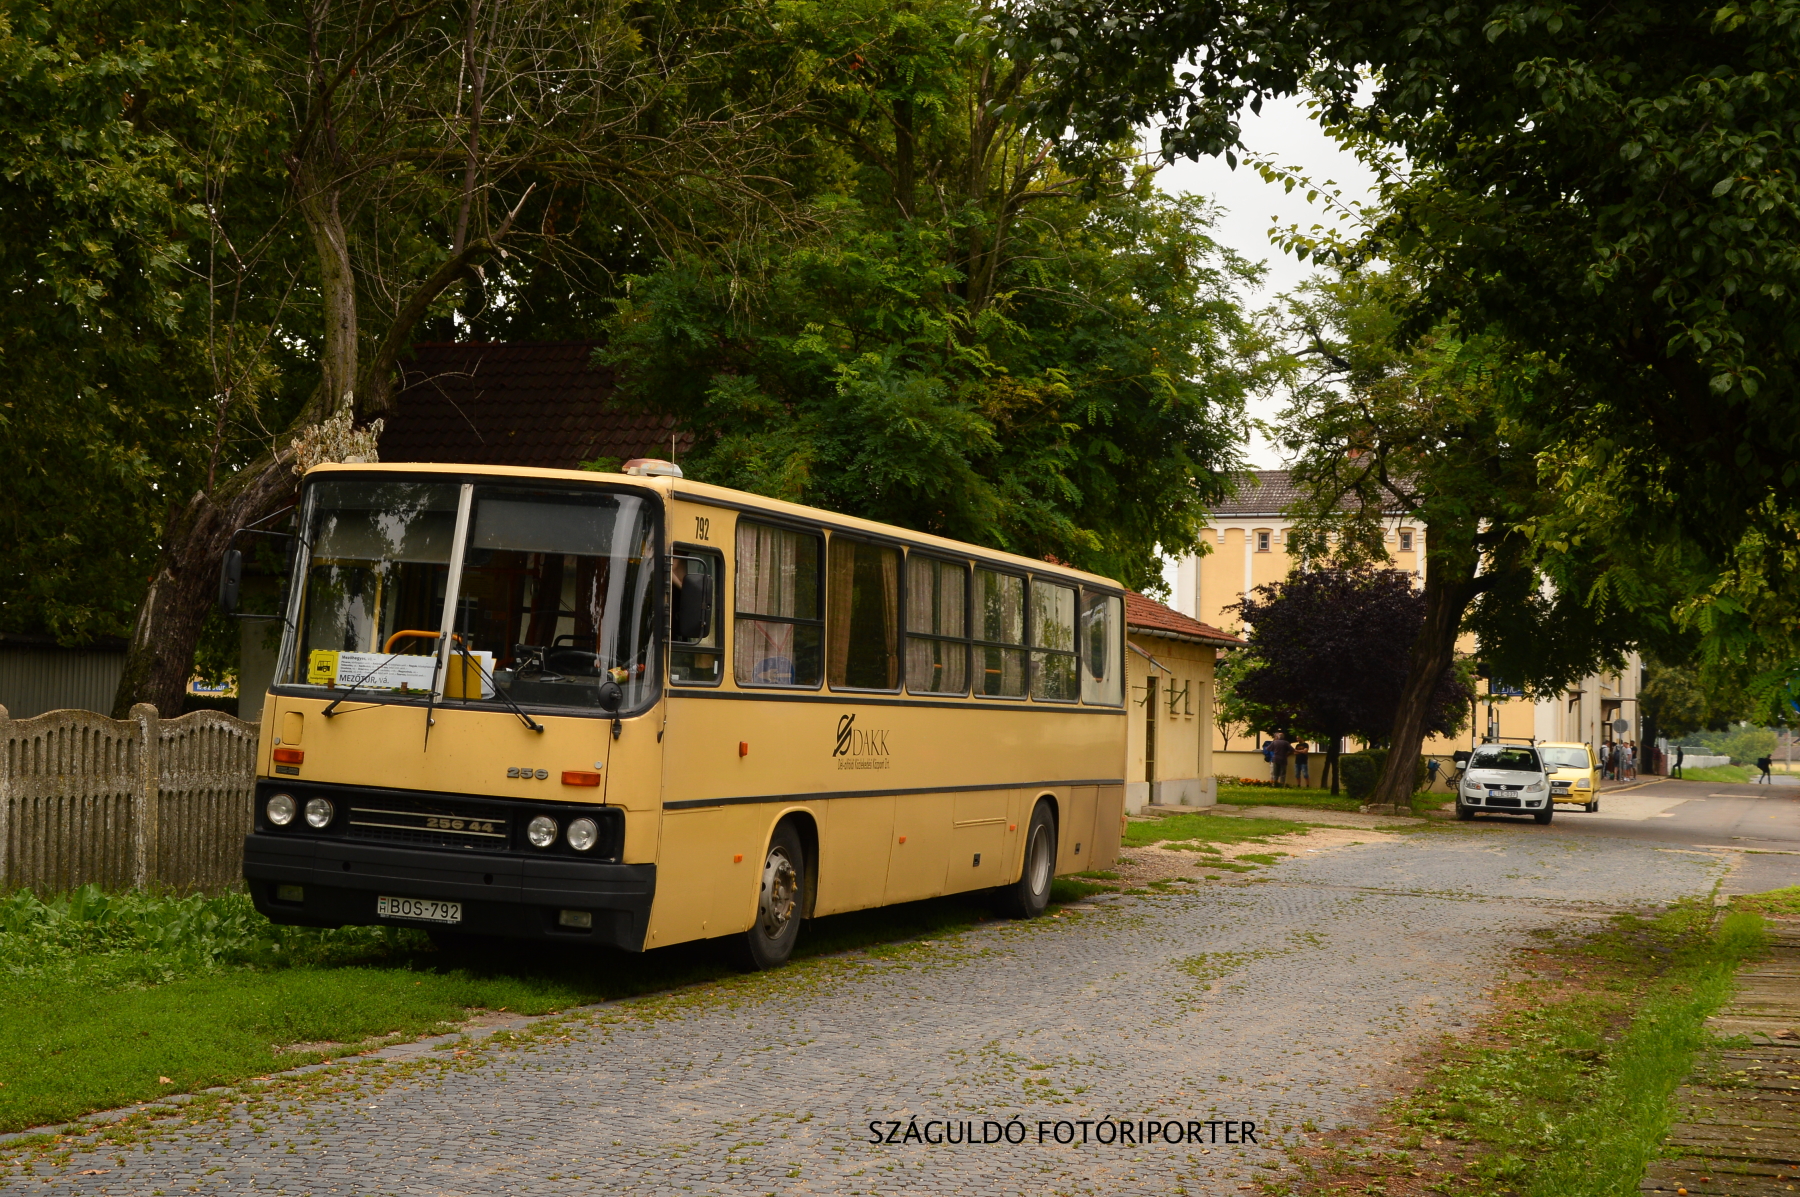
<point>1027,897</point>
<point>780,903</point>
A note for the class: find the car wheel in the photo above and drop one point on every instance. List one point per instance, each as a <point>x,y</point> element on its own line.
<point>1544,816</point>
<point>1027,897</point>
<point>779,906</point>
<point>1592,806</point>
<point>1465,813</point>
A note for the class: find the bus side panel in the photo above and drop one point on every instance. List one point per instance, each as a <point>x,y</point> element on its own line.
<point>919,853</point>
<point>1075,829</point>
<point>853,851</point>
<point>978,840</point>
<point>693,864</point>
<point>1109,826</point>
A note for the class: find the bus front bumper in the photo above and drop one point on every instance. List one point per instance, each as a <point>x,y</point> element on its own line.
<point>331,883</point>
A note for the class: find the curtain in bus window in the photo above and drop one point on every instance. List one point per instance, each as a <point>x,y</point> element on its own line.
<point>1102,673</point>
<point>1000,616</point>
<point>937,651</point>
<point>1053,640</point>
<point>862,607</point>
<point>779,637</point>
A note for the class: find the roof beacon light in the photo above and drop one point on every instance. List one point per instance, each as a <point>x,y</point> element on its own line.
<point>651,467</point>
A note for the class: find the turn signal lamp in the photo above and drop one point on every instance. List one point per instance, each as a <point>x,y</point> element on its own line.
<point>579,777</point>
<point>289,756</point>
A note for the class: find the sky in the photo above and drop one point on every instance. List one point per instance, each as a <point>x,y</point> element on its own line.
<point>1284,132</point>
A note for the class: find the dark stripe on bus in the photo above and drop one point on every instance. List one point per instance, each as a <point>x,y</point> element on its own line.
<point>696,803</point>
<point>854,698</point>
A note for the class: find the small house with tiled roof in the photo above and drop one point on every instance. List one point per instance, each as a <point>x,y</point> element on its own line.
<point>1169,672</point>
<point>543,404</point>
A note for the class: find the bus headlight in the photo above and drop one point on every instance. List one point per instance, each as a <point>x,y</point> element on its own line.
<point>541,831</point>
<point>583,834</point>
<point>319,812</point>
<point>280,809</point>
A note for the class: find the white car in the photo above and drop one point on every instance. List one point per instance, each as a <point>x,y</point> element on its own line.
<point>1504,779</point>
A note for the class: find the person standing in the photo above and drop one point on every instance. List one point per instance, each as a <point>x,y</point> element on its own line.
<point>1680,752</point>
<point>1763,763</point>
<point>1279,751</point>
<point>1302,766</point>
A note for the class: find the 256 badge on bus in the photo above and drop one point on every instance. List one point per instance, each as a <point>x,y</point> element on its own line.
<point>429,910</point>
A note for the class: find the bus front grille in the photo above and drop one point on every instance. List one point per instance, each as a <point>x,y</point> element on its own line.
<point>438,824</point>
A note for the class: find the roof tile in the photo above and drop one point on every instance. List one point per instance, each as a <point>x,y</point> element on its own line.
<point>1147,615</point>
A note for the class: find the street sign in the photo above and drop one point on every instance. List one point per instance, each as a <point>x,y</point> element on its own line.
<point>1620,726</point>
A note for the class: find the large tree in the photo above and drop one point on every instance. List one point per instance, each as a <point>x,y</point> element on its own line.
<point>1614,187</point>
<point>966,339</point>
<point>280,196</point>
<point>1332,650</point>
<point>1427,435</point>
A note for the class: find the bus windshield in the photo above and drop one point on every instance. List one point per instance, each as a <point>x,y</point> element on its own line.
<point>555,596</point>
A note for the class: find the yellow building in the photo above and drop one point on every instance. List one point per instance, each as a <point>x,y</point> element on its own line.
<point>1249,538</point>
<point>1169,679</point>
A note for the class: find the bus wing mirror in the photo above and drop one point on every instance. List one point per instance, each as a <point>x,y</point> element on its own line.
<point>231,579</point>
<point>611,695</point>
<point>693,608</point>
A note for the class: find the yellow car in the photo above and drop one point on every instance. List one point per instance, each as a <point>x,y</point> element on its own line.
<point>1574,774</point>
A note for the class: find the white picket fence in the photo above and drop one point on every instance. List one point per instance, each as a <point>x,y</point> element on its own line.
<point>137,802</point>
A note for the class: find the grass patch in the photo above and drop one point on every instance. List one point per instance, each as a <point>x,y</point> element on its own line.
<point>1729,774</point>
<point>102,995</point>
<point>1303,799</point>
<point>1207,829</point>
<point>1776,903</point>
<point>1565,1093</point>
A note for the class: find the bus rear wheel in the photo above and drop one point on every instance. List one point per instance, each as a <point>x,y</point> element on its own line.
<point>1027,897</point>
<point>770,940</point>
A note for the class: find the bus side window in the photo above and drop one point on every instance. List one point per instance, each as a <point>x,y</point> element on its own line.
<point>1000,634</point>
<point>1101,668</point>
<point>695,656</point>
<point>779,634</point>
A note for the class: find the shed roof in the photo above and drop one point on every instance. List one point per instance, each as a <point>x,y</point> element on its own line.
<point>1145,616</point>
<point>541,404</point>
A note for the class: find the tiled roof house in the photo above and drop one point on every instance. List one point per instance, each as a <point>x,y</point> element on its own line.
<point>540,404</point>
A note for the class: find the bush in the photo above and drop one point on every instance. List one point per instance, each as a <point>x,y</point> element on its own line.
<point>1360,771</point>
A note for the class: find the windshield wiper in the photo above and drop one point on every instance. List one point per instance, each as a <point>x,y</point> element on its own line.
<point>470,659</point>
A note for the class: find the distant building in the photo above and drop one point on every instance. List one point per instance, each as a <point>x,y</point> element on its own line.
<point>1169,703</point>
<point>1250,539</point>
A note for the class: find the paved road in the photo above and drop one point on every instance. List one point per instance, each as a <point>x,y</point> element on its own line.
<point>1285,1002</point>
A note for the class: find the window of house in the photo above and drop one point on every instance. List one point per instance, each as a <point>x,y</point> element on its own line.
<point>1102,672</point>
<point>1262,542</point>
<point>937,626</point>
<point>1053,670</point>
<point>862,616</point>
<point>1406,542</point>
<point>780,637</point>
<point>1000,634</point>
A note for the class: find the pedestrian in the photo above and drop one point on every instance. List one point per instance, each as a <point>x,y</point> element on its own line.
<point>1302,766</point>
<point>1631,759</point>
<point>1279,751</point>
<point>1763,763</point>
<point>1680,752</point>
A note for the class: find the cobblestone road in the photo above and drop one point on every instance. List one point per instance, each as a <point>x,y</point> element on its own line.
<point>1284,1002</point>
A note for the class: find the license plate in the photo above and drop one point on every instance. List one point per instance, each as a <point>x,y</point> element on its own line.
<point>429,910</point>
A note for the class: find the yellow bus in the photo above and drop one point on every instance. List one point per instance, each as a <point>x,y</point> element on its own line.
<point>635,710</point>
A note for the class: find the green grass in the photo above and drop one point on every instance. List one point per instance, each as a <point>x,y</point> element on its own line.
<point>1572,1097</point>
<point>1207,829</point>
<point>1723,773</point>
<point>1305,799</point>
<point>103,995</point>
<point>1776,903</point>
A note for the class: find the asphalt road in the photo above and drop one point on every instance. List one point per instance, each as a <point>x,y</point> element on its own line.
<point>1758,824</point>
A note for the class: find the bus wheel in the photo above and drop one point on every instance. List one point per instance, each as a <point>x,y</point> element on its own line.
<point>770,939</point>
<point>1027,897</point>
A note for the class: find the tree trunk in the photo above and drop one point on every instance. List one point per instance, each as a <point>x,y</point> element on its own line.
<point>160,657</point>
<point>1432,651</point>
